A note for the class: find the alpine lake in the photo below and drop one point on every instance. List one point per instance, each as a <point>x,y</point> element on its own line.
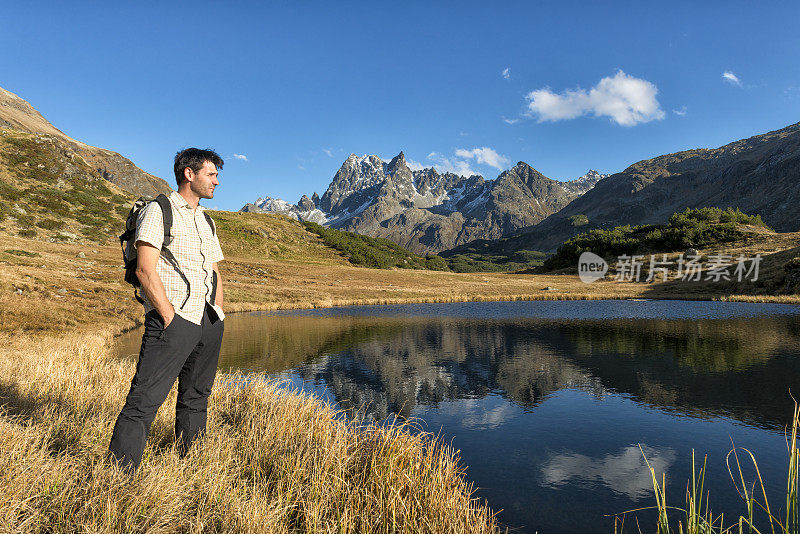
<point>556,407</point>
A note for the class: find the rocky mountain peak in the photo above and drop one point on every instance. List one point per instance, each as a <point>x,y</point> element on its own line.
<point>356,178</point>
<point>305,204</point>
<point>584,183</point>
<point>526,175</point>
<point>398,164</point>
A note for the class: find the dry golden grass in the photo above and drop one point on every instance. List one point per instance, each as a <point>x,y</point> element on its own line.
<point>273,461</point>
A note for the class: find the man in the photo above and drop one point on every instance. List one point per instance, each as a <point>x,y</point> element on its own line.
<point>183,325</point>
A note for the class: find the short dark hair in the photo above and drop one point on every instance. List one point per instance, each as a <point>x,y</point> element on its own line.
<point>194,159</point>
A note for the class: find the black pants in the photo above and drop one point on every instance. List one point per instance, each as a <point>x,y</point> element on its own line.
<point>185,351</point>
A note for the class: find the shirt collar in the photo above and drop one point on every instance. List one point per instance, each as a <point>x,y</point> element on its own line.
<point>180,202</point>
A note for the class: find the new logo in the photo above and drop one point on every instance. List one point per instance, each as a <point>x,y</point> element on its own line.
<point>591,267</point>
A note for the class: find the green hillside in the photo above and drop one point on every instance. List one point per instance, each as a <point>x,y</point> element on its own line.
<point>692,228</point>
<point>47,191</point>
<point>374,252</point>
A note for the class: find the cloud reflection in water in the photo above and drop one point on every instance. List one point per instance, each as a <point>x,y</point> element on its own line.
<point>625,472</point>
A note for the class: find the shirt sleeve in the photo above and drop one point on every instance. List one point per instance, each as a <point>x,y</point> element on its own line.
<point>216,251</point>
<point>150,225</point>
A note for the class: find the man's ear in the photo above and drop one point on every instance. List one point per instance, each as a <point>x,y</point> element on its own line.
<point>188,173</point>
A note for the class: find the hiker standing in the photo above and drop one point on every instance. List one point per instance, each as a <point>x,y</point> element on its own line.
<point>182,295</point>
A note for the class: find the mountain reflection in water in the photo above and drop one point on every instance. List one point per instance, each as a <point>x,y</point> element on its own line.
<point>737,367</point>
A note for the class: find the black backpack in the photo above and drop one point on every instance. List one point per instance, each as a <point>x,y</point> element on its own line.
<point>129,250</point>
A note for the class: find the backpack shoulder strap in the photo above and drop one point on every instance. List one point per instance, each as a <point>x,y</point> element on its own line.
<point>166,211</point>
<point>166,253</point>
<point>211,223</point>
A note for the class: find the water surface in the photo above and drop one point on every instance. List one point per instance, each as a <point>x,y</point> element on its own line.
<point>552,404</point>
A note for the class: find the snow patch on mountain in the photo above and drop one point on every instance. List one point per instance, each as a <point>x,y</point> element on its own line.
<point>584,183</point>
<point>270,204</point>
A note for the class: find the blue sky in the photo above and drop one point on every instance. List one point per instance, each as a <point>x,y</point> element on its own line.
<point>295,87</point>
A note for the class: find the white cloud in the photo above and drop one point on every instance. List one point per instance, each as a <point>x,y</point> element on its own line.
<point>456,166</point>
<point>414,165</point>
<point>460,164</point>
<point>506,73</point>
<point>626,100</point>
<point>511,121</point>
<point>300,167</point>
<point>328,151</point>
<point>680,112</point>
<point>240,156</point>
<point>731,78</point>
<point>484,155</point>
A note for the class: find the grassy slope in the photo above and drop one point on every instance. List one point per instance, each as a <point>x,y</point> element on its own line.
<point>48,191</point>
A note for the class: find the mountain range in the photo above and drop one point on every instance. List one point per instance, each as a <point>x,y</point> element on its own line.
<point>426,211</point>
<point>429,212</point>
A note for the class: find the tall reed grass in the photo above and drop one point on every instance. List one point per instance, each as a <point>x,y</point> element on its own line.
<point>760,516</point>
<point>272,460</point>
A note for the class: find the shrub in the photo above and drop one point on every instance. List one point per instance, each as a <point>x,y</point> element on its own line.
<point>89,201</point>
<point>122,209</point>
<point>51,200</point>
<point>579,220</point>
<point>700,227</point>
<point>9,192</point>
<point>25,221</point>
<point>50,224</point>
<point>371,251</point>
<point>792,264</point>
<point>689,217</point>
<point>27,232</point>
<point>24,253</point>
<point>102,189</point>
<point>436,263</point>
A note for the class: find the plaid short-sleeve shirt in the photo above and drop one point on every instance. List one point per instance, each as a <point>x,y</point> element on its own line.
<point>195,248</point>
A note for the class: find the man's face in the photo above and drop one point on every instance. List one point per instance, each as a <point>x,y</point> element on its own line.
<point>205,180</point>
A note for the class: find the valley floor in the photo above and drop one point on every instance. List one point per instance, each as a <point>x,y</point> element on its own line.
<point>273,460</point>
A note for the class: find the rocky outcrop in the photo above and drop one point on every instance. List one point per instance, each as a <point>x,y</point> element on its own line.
<point>306,204</point>
<point>19,115</point>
